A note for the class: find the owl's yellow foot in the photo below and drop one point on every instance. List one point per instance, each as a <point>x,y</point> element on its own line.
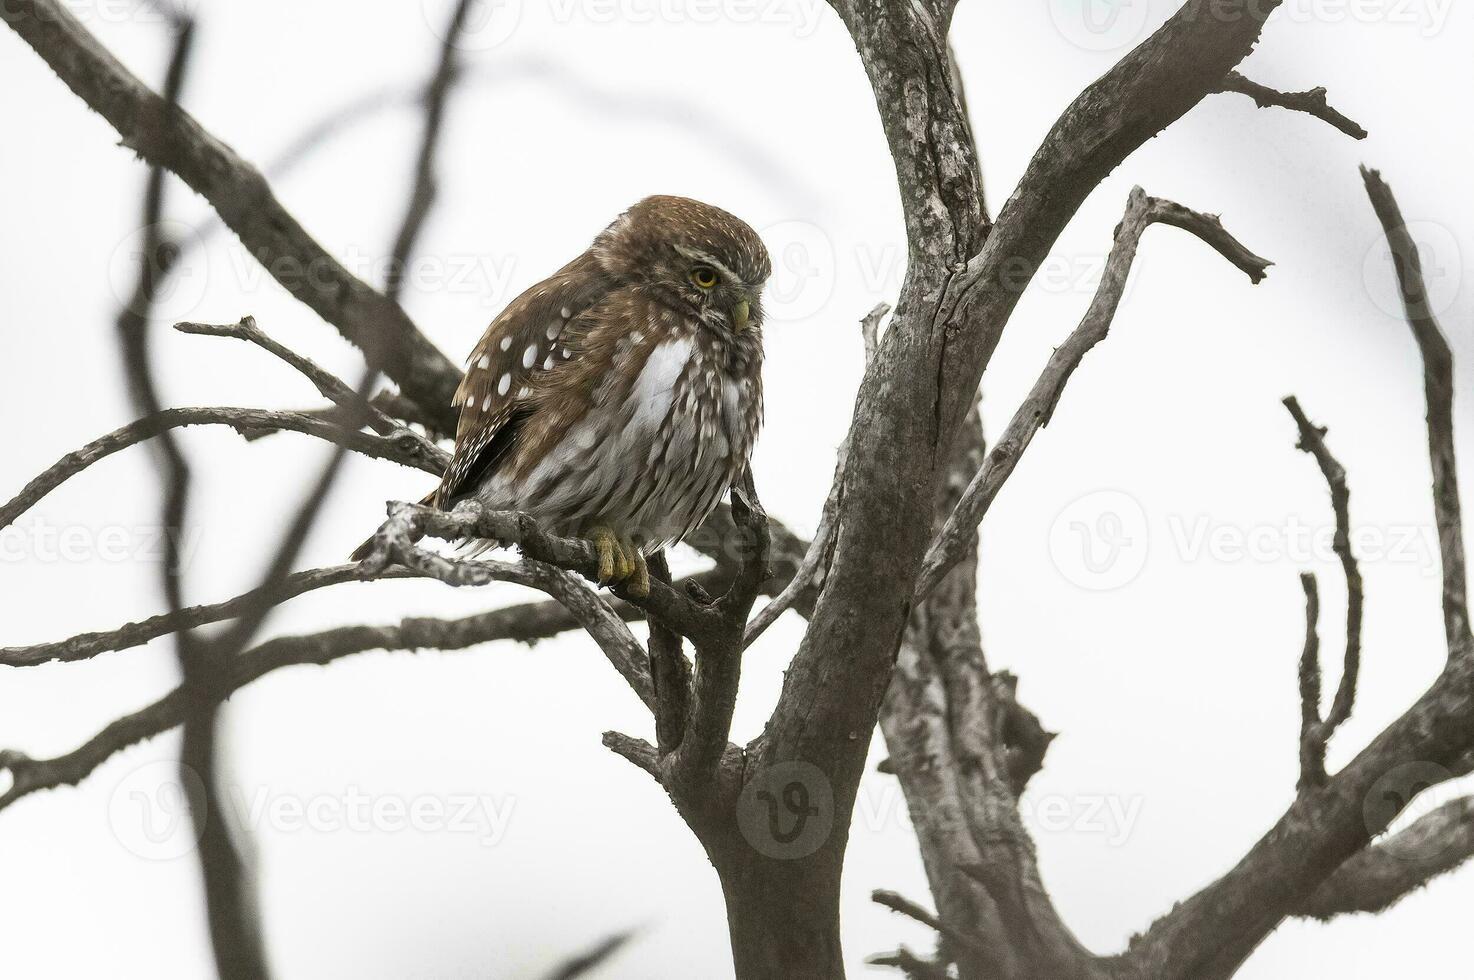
<point>606,544</point>
<point>620,561</point>
<point>638,584</point>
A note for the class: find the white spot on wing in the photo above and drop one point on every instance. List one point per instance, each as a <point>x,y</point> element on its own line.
<point>507,342</point>
<point>484,363</point>
<point>504,384</point>
<point>529,355</point>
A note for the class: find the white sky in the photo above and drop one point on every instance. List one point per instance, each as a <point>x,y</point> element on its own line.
<point>1174,690</point>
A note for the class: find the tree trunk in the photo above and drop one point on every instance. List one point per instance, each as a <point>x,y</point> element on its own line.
<point>784,919</point>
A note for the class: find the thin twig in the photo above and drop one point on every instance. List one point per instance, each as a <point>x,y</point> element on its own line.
<point>870,331</point>
<point>584,963</point>
<point>1438,386</point>
<point>1313,740</point>
<point>904,906</point>
<point>349,406</point>
<point>1312,102</point>
<point>391,403</point>
<point>809,572</point>
<point>85,646</point>
<point>397,449</point>
<point>424,191</point>
<point>329,385</point>
<point>637,751</point>
<point>913,967</point>
<point>1312,750</point>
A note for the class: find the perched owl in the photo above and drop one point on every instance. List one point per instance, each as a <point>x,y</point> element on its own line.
<point>619,399</point>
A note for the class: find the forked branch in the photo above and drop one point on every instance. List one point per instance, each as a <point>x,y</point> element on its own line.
<point>957,534</point>
<point>329,385</point>
<point>1316,732</point>
<point>1391,869</point>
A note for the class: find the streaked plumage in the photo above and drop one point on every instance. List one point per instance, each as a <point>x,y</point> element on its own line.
<point>623,393</point>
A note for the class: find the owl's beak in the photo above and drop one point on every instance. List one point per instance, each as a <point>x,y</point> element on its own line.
<point>741,310</point>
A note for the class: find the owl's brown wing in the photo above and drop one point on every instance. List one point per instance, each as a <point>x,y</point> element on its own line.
<point>529,338</point>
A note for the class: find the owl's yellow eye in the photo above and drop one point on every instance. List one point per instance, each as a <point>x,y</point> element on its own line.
<point>704,276</point>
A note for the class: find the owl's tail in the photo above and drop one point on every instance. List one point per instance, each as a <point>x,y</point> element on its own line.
<point>367,547</point>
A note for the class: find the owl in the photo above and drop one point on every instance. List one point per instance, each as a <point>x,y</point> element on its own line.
<point>619,399</point>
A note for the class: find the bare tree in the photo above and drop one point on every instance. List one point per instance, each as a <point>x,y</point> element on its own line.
<point>889,583</point>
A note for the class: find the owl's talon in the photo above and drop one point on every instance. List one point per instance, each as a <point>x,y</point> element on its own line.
<point>606,543</point>
<point>638,584</point>
<point>624,565</point>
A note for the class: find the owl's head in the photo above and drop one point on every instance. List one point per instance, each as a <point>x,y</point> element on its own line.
<point>696,257</point>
